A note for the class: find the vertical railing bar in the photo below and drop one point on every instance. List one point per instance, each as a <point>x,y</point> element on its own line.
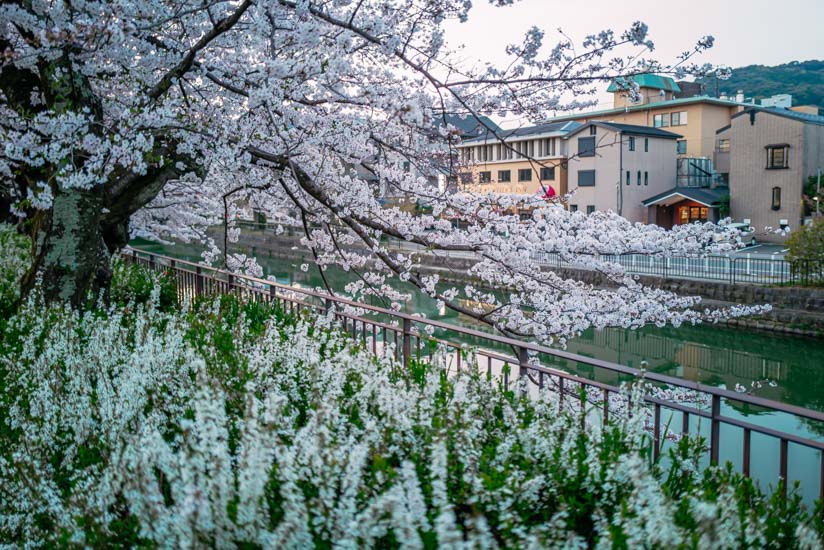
<point>715,429</point>
<point>782,465</point>
<point>606,407</point>
<point>745,462</point>
<point>656,437</point>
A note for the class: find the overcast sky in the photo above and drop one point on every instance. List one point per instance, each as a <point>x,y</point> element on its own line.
<point>766,32</point>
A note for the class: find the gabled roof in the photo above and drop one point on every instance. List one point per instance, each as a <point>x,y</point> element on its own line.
<point>628,129</point>
<point>707,196</point>
<point>786,113</point>
<point>469,125</point>
<point>558,128</point>
<point>654,81</point>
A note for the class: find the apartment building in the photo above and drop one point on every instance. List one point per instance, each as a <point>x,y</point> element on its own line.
<point>767,154</point>
<point>662,105</point>
<point>526,160</point>
<point>616,167</point>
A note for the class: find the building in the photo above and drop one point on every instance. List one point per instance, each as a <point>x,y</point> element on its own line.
<point>767,154</point>
<point>616,166</point>
<point>526,160</point>
<point>663,104</point>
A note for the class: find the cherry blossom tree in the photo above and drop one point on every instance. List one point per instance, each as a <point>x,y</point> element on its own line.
<point>153,118</point>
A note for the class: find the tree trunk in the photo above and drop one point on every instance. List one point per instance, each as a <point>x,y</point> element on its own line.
<point>71,256</point>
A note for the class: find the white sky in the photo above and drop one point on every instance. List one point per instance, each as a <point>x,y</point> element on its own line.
<point>766,32</point>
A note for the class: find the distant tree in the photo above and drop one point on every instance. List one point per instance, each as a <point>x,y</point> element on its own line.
<point>807,243</point>
<point>811,192</point>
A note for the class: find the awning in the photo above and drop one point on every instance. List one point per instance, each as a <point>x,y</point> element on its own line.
<point>709,197</point>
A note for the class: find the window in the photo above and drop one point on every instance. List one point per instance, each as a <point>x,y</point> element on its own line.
<point>639,177</point>
<point>549,147</point>
<point>532,148</point>
<point>406,166</point>
<point>661,121</point>
<point>466,177</point>
<point>690,214</point>
<point>586,147</point>
<point>525,174</point>
<point>628,177</point>
<point>485,177</point>
<point>681,147</point>
<point>586,178</point>
<point>573,207</point>
<point>592,130</point>
<point>548,173</point>
<point>776,198</point>
<point>504,176</point>
<point>646,178</point>
<point>723,146</point>
<point>590,208</point>
<point>631,143</point>
<point>646,145</point>
<point>679,119</point>
<point>777,157</point>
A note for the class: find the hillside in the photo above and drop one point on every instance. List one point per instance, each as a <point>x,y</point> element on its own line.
<point>804,80</point>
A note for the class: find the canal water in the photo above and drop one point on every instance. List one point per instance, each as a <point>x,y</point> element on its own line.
<point>711,355</point>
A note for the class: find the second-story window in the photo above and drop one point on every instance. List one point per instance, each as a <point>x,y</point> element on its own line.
<point>778,156</point>
<point>723,146</point>
<point>639,177</point>
<point>586,146</point>
<point>466,177</point>
<point>631,143</point>
<point>485,177</point>
<point>592,130</point>
<point>679,119</point>
<point>646,178</point>
<point>661,121</point>
<point>681,147</point>
<point>628,177</point>
<point>646,145</point>
<point>548,173</point>
<point>586,178</point>
<point>525,174</point>
<point>504,176</point>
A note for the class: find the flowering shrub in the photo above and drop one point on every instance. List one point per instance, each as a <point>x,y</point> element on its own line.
<point>14,260</point>
<point>132,283</point>
<point>224,423</point>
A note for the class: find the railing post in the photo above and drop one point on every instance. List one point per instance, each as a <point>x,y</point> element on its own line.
<point>523,367</point>
<point>732,271</point>
<point>273,294</point>
<point>199,282</point>
<point>151,262</point>
<point>715,429</point>
<point>407,341</point>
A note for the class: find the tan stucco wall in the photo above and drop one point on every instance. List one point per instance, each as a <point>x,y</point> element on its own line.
<point>559,184</point>
<point>610,173</point>
<point>751,182</point>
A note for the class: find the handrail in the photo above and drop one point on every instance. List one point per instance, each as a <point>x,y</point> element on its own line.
<point>507,341</point>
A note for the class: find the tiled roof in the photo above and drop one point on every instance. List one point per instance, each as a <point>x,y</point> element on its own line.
<point>655,81</point>
<point>704,195</point>
<point>549,128</point>
<point>632,129</point>
<point>469,125</point>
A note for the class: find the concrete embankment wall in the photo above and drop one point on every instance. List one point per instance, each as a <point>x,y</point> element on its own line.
<point>796,310</point>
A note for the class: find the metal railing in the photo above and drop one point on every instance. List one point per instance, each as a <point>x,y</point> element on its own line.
<point>728,269</point>
<point>408,336</point>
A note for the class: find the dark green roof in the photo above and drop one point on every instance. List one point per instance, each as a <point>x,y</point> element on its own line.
<point>630,129</point>
<point>704,195</point>
<point>654,81</point>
